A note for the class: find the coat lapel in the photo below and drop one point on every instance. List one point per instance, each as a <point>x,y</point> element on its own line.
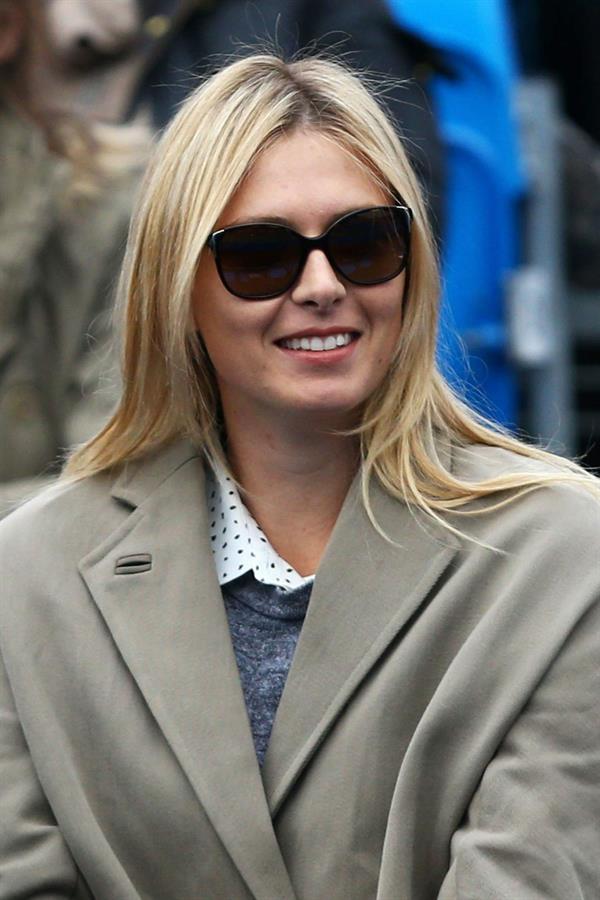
<point>365,592</point>
<point>155,584</point>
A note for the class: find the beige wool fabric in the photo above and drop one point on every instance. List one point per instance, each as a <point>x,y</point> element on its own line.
<point>437,739</point>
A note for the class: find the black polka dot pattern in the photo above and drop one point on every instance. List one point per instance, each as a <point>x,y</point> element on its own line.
<point>229,517</point>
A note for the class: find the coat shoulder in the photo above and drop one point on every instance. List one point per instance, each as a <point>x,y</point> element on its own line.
<point>476,462</point>
<point>64,521</point>
<point>562,501</point>
<point>69,519</point>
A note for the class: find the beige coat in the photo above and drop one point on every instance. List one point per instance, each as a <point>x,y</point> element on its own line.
<point>438,736</point>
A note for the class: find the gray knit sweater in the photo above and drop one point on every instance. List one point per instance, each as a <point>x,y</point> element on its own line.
<point>265,623</point>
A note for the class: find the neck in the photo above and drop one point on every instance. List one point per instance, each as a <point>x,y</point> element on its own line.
<point>294,480</point>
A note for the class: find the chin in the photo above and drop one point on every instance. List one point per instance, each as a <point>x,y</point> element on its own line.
<point>333,406</point>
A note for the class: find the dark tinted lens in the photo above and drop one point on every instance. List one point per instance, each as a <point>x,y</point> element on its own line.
<point>258,261</point>
<point>370,246</point>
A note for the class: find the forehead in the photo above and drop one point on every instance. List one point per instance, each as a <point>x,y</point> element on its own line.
<point>303,178</point>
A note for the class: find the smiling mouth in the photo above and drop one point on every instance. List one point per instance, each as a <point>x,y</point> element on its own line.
<point>317,344</point>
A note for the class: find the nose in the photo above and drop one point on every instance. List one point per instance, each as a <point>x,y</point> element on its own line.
<point>319,284</point>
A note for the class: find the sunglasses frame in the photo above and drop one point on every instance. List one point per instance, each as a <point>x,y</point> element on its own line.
<point>306,244</point>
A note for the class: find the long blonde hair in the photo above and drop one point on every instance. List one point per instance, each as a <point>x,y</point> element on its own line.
<point>169,388</point>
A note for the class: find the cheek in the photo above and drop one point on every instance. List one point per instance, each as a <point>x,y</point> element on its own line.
<point>218,336</point>
<point>232,331</point>
<point>388,318</point>
<point>388,315</point>
<point>215,317</point>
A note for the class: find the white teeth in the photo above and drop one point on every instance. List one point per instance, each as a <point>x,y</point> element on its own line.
<point>317,343</point>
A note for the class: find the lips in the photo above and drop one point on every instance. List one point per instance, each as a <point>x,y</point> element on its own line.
<point>318,343</point>
<point>319,340</point>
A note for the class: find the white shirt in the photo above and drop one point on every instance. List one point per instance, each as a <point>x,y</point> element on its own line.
<point>237,540</point>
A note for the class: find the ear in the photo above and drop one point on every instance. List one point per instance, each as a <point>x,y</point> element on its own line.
<point>12,31</point>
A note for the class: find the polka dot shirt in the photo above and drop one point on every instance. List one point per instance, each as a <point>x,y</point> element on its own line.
<point>237,541</point>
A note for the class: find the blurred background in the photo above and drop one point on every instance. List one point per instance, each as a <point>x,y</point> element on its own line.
<point>498,102</point>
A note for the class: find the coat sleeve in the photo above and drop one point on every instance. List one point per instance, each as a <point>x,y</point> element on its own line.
<point>533,827</point>
<point>34,860</point>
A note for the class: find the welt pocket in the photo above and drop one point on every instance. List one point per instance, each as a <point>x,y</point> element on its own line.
<point>133,564</point>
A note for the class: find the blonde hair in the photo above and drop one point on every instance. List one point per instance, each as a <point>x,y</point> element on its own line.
<point>168,385</point>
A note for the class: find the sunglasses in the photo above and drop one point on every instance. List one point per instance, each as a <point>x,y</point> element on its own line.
<point>262,260</point>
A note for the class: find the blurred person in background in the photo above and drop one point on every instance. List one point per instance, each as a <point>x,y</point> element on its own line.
<point>66,191</point>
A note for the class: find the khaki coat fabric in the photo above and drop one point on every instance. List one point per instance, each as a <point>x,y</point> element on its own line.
<point>438,737</point>
<point>59,261</point>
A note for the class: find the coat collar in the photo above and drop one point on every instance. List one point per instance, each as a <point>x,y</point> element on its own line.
<point>367,590</point>
<point>141,477</point>
<point>167,617</point>
<point>170,626</point>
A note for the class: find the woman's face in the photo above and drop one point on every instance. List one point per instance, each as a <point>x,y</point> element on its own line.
<point>306,182</point>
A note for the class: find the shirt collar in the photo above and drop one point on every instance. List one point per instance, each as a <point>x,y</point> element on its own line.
<point>237,541</point>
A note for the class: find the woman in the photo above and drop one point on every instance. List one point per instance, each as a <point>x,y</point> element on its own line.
<point>437,736</point>
<point>66,192</point>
